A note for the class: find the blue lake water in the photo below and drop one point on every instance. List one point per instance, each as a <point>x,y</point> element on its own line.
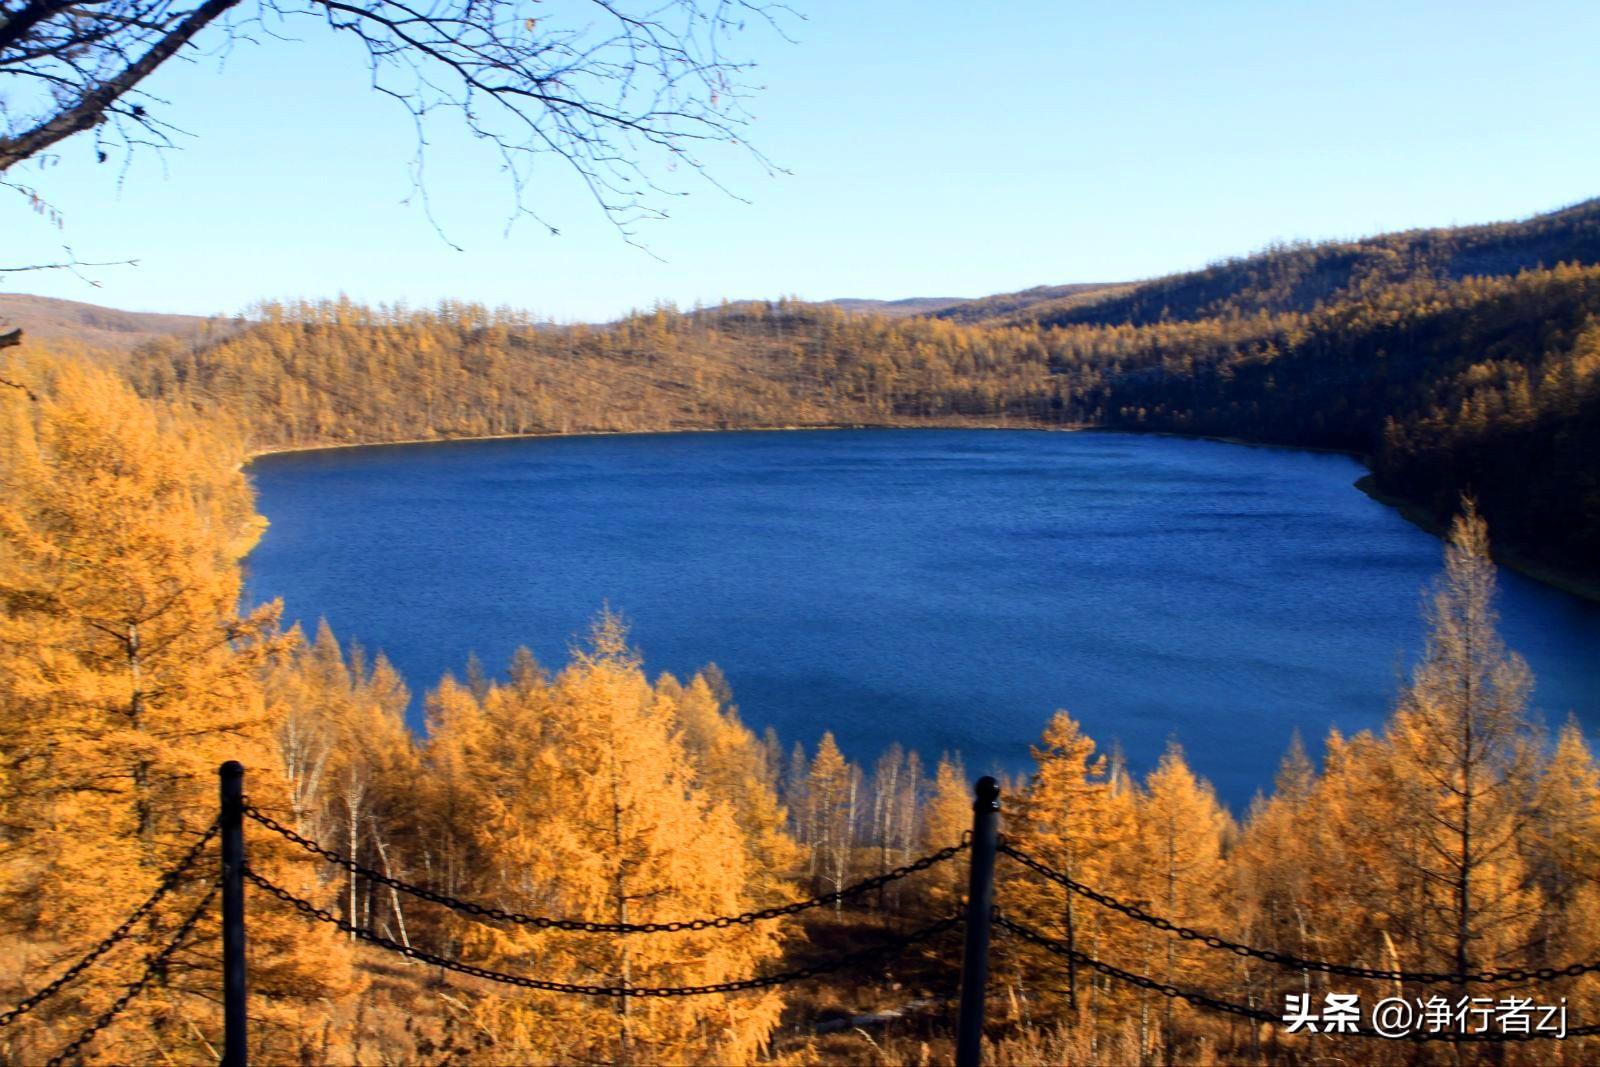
<point>947,589</point>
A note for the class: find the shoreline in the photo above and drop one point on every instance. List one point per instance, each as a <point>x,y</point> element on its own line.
<point>921,424</point>
<point>1579,586</point>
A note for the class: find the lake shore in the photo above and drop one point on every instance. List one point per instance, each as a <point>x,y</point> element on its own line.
<point>1577,585</point>
<point>917,424</point>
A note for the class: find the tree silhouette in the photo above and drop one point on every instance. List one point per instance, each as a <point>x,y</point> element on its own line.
<point>618,90</point>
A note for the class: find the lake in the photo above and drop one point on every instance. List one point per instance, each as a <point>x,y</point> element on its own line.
<point>947,589</point>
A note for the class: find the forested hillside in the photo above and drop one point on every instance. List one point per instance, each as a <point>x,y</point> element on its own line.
<point>1455,839</point>
<point>1055,297</point>
<point>1302,276</point>
<point>1445,379</point>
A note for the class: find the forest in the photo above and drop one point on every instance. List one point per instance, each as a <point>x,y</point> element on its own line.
<point>1451,361</point>
<point>1460,837</point>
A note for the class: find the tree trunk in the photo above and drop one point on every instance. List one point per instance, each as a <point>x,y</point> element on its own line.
<point>620,892</point>
<point>142,807</point>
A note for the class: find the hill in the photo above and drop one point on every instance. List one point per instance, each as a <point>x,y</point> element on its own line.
<point>1303,276</point>
<point>912,305</point>
<point>46,319</point>
<point>1001,305</point>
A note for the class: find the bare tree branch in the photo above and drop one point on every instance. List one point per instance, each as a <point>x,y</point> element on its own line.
<point>620,90</point>
<point>90,108</point>
<point>72,265</point>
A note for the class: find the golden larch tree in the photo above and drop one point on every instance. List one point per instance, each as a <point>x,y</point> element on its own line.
<point>730,766</point>
<point>1466,764</point>
<point>587,806</point>
<point>127,676</point>
<point>1074,820</point>
<point>1180,836</point>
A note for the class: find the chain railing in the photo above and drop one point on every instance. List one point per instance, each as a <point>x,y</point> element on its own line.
<point>1199,1000</point>
<point>543,922</point>
<point>1289,960</point>
<point>983,845</point>
<point>1227,1007</point>
<point>890,948</point>
<point>156,965</point>
<point>168,881</point>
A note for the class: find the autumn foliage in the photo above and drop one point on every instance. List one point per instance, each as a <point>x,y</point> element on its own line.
<point>1459,837</point>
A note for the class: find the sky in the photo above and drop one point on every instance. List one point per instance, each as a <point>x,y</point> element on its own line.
<point>927,149</point>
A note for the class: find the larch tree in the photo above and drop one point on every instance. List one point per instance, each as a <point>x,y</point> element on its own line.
<point>589,808</point>
<point>946,819</point>
<point>1562,851</point>
<point>1466,760</point>
<point>127,676</point>
<point>1073,820</point>
<point>1354,863</point>
<point>1271,870</point>
<point>730,767</point>
<point>1181,833</point>
<point>1563,846</point>
<point>452,801</point>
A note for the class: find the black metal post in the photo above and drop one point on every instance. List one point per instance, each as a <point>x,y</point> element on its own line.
<point>980,907</point>
<point>235,1048</point>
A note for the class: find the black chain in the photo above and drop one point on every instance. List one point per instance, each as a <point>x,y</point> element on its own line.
<point>877,952</point>
<point>543,922</point>
<point>163,887</point>
<point>156,965</point>
<point>1202,1000</point>
<point>1284,959</point>
<point>1199,1000</point>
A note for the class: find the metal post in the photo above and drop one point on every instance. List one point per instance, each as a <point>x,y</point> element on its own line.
<point>980,906</point>
<point>235,1048</point>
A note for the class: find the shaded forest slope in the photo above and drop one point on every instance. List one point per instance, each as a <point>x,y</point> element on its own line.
<point>1302,276</point>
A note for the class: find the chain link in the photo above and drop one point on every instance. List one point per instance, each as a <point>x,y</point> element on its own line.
<point>1284,959</point>
<point>878,952</point>
<point>543,922</point>
<point>163,887</point>
<point>1202,1000</point>
<point>156,965</point>
<point>1199,1000</point>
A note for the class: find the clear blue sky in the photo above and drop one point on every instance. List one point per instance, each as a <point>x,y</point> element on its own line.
<point>935,148</point>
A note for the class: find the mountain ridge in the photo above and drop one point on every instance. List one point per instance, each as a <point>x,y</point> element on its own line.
<point>1291,276</point>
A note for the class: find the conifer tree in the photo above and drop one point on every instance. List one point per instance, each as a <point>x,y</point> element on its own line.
<point>1466,763</point>
<point>1562,851</point>
<point>585,803</point>
<point>1563,845</point>
<point>1271,871</point>
<point>946,818</point>
<point>1072,819</point>
<point>1181,834</point>
<point>127,677</point>
<point>730,766</point>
